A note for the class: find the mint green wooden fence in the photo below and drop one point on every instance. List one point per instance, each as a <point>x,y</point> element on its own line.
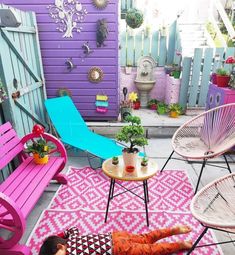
<point>196,74</point>
<point>154,44</point>
<point>22,74</point>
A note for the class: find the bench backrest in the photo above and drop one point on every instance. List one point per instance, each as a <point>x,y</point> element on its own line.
<point>10,144</point>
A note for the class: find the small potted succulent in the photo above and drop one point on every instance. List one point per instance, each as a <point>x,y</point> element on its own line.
<point>133,134</point>
<point>175,110</point>
<point>161,108</point>
<point>222,77</point>
<point>115,160</point>
<point>152,104</point>
<point>144,161</point>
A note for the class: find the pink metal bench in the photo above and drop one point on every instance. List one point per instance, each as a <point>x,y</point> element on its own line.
<point>21,190</point>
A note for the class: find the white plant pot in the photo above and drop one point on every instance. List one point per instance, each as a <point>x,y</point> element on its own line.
<point>130,159</point>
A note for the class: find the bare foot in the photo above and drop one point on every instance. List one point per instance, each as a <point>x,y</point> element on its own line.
<point>187,245</point>
<point>181,229</point>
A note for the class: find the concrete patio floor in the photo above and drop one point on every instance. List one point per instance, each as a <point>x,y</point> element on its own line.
<point>158,149</point>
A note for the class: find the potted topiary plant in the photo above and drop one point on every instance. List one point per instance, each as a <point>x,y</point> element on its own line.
<point>161,108</point>
<point>133,134</point>
<point>152,104</point>
<point>222,77</point>
<point>175,110</point>
<point>134,18</point>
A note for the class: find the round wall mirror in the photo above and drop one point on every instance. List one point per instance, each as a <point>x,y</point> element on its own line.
<point>100,4</point>
<point>95,74</point>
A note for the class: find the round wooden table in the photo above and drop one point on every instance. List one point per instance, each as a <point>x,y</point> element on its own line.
<point>118,172</point>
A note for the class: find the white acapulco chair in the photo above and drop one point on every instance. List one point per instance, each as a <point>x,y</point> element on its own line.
<point>206,136</point>
<point>214,207</point>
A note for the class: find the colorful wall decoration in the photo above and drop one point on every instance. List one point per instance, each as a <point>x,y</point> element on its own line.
<point>56,50</point>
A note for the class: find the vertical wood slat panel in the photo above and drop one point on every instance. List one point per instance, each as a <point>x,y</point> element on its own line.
<point>162,51</point>
<point>171,43</point>
<point>195,77</point>
<point>218,64</point>
<point>155,46</point>
<point>138,47</point>
<point>183,97</point>
<point>208,58</point>
<point>133,47</point>
<point>123,40</point>
<point>130,49</point>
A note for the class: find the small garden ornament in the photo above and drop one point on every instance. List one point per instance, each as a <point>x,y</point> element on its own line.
<point>102,32</point>
<point>144,161</point>
<point>133,134</point>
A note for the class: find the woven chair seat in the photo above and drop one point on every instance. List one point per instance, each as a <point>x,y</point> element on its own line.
<point>207,135</point>
<point>214,205</point>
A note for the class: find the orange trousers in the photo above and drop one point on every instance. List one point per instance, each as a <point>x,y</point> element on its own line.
<point>125,243</point>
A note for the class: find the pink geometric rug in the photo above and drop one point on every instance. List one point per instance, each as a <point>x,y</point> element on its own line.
<point>83,202</point>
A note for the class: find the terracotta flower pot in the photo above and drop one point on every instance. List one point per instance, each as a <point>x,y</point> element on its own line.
<point>130,159</point>
<point>222,80</point>
<point>40,161</point>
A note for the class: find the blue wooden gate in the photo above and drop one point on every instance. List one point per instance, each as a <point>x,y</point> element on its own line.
<point>22,74</point>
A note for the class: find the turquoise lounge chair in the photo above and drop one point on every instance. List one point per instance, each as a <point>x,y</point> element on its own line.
<point>73,130</point>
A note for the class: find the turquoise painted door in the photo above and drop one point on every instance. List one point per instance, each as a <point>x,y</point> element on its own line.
<point>22,74</point>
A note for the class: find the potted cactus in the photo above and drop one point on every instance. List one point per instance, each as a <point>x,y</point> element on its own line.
<point>144,161</point>
<point>133,134</point>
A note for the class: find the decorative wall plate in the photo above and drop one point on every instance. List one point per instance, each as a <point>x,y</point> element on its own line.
<point>100,4</point>
<point>64,92</point>
<point>95,74</point>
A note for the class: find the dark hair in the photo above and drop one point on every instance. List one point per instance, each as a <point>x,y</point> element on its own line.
<point>49,246</point>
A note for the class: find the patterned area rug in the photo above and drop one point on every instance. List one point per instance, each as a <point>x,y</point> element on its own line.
<point>82,203</point>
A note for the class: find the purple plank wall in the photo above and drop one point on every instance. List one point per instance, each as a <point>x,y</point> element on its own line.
<point>56,49</point>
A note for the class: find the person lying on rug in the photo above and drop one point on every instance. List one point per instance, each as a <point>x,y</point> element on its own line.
<point>116,243</point>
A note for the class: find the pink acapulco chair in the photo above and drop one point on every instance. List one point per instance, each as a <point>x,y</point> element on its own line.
<point>206,136</point>
<point>214,207</point>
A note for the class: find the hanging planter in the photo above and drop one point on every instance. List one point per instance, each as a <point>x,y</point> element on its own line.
<point>134,18</point>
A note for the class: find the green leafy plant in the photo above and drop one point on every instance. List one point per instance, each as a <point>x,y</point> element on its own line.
<point>133,134</point>
<point>134,18</point>
<point>175,108</point>
<point>222,72</point>
<point>40,147</point>
<point>162,108</point>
